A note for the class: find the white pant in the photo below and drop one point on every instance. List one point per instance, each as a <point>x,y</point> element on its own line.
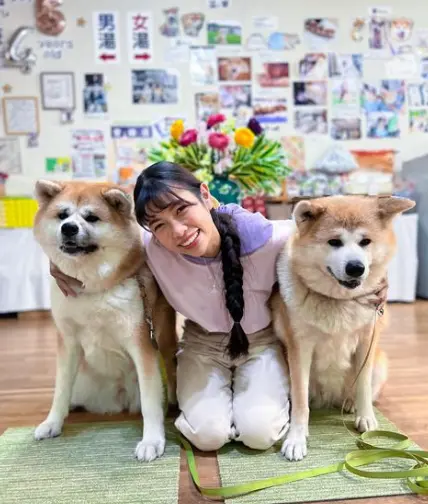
<point>221,400</point>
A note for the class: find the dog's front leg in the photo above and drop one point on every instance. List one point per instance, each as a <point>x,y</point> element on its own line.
<point>67,364</point>
<point>365,419</point>
<point>146,363</point>
<point>300,350</point>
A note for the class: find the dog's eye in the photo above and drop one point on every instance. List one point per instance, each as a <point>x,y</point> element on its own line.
<point>62,215</point>
<point>92,218</point>
<point>335,242</point>
<point>364,242</point>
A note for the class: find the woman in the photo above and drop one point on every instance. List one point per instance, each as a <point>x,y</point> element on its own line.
<point>217,268</point>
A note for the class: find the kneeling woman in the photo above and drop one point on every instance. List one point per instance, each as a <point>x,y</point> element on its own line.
<point>217,268</point>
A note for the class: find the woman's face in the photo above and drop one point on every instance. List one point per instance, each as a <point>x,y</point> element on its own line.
<point>186,227</point>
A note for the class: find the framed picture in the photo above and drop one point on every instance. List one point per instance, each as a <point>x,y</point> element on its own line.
<point>21,115</point>
<point>57,89</point>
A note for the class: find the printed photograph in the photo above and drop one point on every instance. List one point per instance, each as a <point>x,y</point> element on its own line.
<point>345,95</point>
<point>236,100</point>
<point>224,33</point>
<point>310,93</point>
<point>311,121</point>
<point>345,65</point>
<point>418,121</point>
<point>313,66</point>
<point>377,33</point>
<point>270,109</point>
<point>385,96</point>
<point>234,69</point>
<point>206,105</point>
<point>383,125</point>
<point>94,95</point>
<point>154,86</point>
<point>320,32</point>
<point>203,65</point>
<point>346,128</point>
<point>274,74</point>
<point>417,94</point>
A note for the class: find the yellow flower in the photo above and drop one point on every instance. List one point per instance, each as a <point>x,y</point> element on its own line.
<point>177,129</point>
<point>244,137</point>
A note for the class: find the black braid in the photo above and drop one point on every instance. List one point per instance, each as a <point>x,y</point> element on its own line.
<point>233,281</point>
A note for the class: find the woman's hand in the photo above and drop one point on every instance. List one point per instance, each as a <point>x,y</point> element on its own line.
<point>68,285</point>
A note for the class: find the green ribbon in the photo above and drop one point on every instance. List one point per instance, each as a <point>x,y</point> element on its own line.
<point>367,453</point>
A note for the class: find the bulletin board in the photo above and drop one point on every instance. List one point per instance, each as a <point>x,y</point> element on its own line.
<point>314,73</point>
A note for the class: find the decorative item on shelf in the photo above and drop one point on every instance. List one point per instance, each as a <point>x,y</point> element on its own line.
<point>3,178</point>
<point>24,59</point>
<point>49,20</point>
<point>232,161</point>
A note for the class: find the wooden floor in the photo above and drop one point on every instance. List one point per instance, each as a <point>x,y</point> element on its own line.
<point>27,365</point>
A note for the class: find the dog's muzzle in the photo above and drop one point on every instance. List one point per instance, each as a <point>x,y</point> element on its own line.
<point>71,245</point>
<point>354,271</point>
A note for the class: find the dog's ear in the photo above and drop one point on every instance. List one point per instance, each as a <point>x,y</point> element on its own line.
<point>306,213</point>
<point>120,200</point>
<point>390,206</point>
<point>46,190</point>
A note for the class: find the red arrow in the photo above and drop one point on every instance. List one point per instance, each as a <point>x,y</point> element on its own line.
<point>143,56</point>
<point>107,57</point>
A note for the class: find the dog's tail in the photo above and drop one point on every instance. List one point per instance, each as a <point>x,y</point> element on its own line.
<point>380,373</point>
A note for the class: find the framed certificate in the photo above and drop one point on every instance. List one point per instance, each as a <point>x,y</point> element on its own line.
<point>21,115</point>
<point>57,90</point>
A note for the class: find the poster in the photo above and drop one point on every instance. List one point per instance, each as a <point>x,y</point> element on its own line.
<point>10,156</point>
<point>345,66</point>
<point>383,125</point>
<point>58,165</point>
<point>203,65</point>
<point>154,86</point>
<point>383,96</point>
<point>206,104</point>
<point>345,97</point>
<point>346,128</point>
<point>94,96</point>
<point>140,37</point>
<point>88,153</point>
<point>234,69</point>
<point>310,93</point>
<point>320,33</point>
<point>236,101</point>
<point>106,37</point>
<point>311,121</point>
<point>224,33</point>
<point>270,109</point>
<point>313,66</point>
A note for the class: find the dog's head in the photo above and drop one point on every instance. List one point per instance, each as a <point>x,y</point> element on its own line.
<point>401,29</point>
<point>343,243</point>
<point>77,219</point>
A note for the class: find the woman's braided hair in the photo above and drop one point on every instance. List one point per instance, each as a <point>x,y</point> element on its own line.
<point>156,185</point>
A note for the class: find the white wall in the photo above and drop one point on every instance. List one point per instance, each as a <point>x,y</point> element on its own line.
<point>54,138</point>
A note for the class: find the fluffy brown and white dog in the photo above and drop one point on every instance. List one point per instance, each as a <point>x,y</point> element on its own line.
<point>329,269</point>
<point>106,361</point>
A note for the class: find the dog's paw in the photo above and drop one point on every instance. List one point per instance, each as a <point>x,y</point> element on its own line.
<point>366,423</point>
<point>48,429</point>
<point>150,449</point>
<point>295,446</point>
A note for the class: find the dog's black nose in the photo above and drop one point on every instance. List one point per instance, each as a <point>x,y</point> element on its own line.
<point>69,229</point>
<point>355,269</point>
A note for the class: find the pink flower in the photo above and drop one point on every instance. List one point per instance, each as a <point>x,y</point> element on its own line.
<point>188,137</point>
<point>218,141</point>
<point>215,119</point>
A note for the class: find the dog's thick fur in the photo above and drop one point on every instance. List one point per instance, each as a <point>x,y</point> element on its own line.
<point>324,316</point>
<point>106,361</point>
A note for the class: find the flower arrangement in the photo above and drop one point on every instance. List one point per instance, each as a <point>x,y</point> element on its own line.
<point>218,149</point>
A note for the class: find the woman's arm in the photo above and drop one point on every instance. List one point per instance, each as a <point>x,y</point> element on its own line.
<point>66,283</point>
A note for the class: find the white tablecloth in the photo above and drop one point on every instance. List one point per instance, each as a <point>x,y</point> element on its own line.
<point>24,269</point>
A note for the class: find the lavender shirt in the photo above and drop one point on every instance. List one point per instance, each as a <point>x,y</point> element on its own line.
<point>195,288</point>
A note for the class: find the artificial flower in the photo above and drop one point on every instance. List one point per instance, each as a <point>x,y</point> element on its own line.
<point>215,119</point>
<point>218,141</point>
<point>177,129</point>
<point>244,137</point>
<point>188,137</point>
<point>255,126</point>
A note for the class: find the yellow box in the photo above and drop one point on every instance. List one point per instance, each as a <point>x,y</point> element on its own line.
<point>17,212</point>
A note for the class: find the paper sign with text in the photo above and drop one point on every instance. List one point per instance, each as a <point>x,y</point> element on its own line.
<point>106,37</point>
<point>140,33</point>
